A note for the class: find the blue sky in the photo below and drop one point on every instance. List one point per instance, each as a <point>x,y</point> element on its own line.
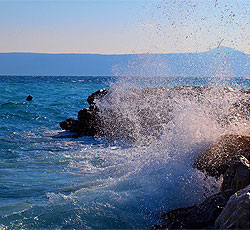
<point>123,26</point>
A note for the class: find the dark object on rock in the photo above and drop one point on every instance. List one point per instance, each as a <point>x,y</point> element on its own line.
<point>219,157</point>
<point>236,213</point>
<point>237,175</point>
<point>29,98</point>
<point>201,216</point>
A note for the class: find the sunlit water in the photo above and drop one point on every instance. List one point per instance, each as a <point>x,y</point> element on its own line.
<point>49,180</point>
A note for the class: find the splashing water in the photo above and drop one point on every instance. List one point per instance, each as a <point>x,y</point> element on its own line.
<point>157,131</point>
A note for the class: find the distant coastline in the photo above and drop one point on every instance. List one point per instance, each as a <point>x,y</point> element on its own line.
<point>232,62</point>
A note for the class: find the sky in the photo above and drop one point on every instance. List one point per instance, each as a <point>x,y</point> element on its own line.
<point>123,26</point>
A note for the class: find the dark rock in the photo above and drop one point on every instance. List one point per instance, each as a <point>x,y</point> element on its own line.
<point>88,123</point>
<point>201,216</point>
<point>29,98</point>
<point>68,124</point>
<point>85,114</point>
<point>96,96</point>
<point>136,114</point>
<point>79,127</point>
<point>237,175</point>
<point>236,214</point>
<point>219,157</point>
<point>228,157</point>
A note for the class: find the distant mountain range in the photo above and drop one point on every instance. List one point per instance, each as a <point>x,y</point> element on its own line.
<point>222,60</point>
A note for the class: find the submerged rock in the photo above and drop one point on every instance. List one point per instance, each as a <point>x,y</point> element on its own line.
<point>220,156</point>
<point>236,214</point>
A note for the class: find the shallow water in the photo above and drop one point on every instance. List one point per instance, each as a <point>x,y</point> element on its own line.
<point>49,180</point>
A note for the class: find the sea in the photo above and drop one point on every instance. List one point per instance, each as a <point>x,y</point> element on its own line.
<point>49,180</point>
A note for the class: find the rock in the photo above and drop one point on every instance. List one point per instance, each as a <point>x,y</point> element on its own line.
<point>136,114</point>
<point>85,114</point>
<point>68,124</point>
<point>236,213</point>
<point>79,127</point>
<point>237,175</point>
<point>96,96</point>
<point>201,216</point>
<point>217,159</point>
<point>29,98</point>
<point>88,123</point>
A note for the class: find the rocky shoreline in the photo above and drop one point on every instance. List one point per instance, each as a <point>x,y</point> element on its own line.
<point>227,158</point>
<point>228,209</point>
<point>152,108</point>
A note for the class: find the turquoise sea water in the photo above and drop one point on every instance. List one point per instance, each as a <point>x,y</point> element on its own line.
<point>51,181</point>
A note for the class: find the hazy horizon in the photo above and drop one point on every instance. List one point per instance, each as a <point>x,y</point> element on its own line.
<point>225,47</point>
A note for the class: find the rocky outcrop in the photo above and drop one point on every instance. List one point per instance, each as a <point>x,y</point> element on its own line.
<point>136,113</point>
<point>201,216</point>
<point>88,121</point>
<point>236,214</point>
<point>237,175</point>
<point>98,95</point>
<point>143,112</point>
<point>228,209</point>
<point>220,156</point>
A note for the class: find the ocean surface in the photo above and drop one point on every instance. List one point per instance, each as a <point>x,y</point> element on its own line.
<point>49,180</point>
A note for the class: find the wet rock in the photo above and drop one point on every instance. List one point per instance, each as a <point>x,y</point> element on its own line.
<point>201,216</point>
<point>97,96</point>
<point>79,127</point>
<point>220,156</point>
<point>236,213</point>
<point>88,123</point>
<point>237,175</point>
<point>145,113</point>
<point>68,124</point>
<point>29,98</point>
<point>85,114</point>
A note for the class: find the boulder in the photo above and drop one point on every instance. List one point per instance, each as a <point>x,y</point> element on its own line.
<point>237,175</point>
<point>236,214</point>
<point>88,122</point>
<point>220,156</point>
<point>79,127</point>
<point>201,216</point>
